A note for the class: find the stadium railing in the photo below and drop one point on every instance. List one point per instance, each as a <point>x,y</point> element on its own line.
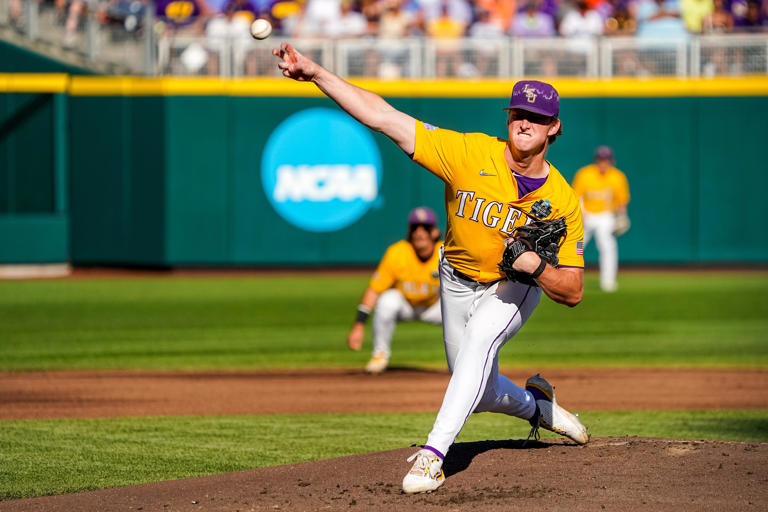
<point>607,57</point>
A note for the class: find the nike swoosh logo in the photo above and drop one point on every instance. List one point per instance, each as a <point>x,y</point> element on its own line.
<point>483,173</point>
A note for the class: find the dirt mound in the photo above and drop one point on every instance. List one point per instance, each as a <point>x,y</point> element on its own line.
<point>609,473</point>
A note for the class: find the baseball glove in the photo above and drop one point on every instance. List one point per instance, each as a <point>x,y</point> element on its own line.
<point>540,236</point>
<point>621,225</point>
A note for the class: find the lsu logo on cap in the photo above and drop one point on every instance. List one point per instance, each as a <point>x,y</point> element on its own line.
<point>530,93</point>
<point>321,170</point>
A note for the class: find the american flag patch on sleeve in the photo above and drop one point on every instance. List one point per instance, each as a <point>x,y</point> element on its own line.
<point>580,248</point>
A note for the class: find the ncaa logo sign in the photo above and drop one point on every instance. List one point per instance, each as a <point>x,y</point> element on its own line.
<point>321,170</point>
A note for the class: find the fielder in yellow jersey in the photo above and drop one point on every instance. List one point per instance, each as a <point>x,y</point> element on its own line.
<point>489,183</point>
<point>402,269</point>
<point>604,194</point>
<point>405,286</point>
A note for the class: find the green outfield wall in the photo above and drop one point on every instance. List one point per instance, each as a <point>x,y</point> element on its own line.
<point>34,147</point>
<point>173,172</point>
<point>34,215</point>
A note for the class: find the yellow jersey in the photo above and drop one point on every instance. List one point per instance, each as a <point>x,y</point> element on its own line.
<point>401,268</point>
<point>601,192</point>
<point>484,204</point>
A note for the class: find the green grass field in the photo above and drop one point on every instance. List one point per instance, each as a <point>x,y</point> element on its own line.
<point>691,320</point>
<point>665,319</point>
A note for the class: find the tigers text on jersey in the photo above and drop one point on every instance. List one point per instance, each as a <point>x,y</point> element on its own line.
<point>601,192</point>
<point>401,268</point>
<point>482,203</point>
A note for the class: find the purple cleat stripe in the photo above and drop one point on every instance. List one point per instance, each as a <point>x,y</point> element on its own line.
<point>435,451</point>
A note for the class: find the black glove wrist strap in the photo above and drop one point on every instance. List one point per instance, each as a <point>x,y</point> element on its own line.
<point>536,273</point>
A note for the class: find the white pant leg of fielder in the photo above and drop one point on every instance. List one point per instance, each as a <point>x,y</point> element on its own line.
<point>390,309</point>
<point>609,250</point>
<point>477,321</point>
<point>602,226</point>
<point>589,227</point>
<point>430,315</point>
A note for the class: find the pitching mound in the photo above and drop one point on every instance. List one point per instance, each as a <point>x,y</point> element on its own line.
<point>609,473</point>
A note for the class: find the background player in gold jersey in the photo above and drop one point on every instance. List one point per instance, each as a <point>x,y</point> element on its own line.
<point>405,286</point>
<point>489,183</point>
<point>604,194</point>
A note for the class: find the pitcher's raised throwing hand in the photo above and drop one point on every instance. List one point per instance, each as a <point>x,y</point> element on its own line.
<point>294,64</point>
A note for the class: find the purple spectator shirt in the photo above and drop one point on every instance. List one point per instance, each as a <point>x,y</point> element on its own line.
<point>539,24</point>
<point>240,6</point>
<point>177,12</point>
<point>549,7</point>
<point>738,9</point>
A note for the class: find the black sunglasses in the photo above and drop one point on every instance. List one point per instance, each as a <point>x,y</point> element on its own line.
<point>533,117</point>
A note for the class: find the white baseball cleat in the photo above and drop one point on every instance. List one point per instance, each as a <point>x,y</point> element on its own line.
<point>426,474</point>
<point>550,415</point>
<point>378,363</point>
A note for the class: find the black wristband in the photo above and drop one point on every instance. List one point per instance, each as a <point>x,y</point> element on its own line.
<point>536,273</point>
<point>363,312</point>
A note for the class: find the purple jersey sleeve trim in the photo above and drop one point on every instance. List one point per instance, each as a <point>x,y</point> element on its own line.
<point>410,155</point>
<point>569,266</point>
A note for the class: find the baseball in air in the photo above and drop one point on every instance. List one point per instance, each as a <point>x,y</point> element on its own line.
<point>261,28</point>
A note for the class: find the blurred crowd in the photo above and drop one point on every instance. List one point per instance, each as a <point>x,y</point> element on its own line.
<point>439,19</point>
<point>222,22</point>
<point>445,19</point>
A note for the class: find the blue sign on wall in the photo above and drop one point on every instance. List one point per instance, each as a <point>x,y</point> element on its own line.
<point>321,170</point>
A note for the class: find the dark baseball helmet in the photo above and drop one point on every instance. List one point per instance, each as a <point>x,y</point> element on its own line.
<point>422,216</point>
<point>604,153</point>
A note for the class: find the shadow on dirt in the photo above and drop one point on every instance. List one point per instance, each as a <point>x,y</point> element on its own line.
<point>461,454</point>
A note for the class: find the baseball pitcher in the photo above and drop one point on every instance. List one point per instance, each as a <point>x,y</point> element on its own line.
<point>492,270</point>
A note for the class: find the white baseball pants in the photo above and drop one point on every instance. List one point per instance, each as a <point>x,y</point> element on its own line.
<point>478,319</point>
<point>391,307</point>
<point>601,225</point>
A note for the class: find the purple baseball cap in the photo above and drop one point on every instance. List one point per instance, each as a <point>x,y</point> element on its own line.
<point>422,215</point>
<point>604,153</point>
<point>534,96</point>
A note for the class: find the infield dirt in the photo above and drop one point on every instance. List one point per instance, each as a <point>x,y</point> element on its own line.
<point>81,394</point>
<point>607,474</point>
